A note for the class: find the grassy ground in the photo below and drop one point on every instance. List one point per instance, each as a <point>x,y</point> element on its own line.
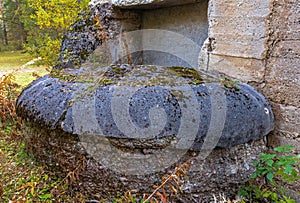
<point>22,179</point>
<point>15,61</point>
<point>11,60</point>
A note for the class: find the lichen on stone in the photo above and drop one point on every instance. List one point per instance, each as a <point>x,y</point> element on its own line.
<point>125,74</point>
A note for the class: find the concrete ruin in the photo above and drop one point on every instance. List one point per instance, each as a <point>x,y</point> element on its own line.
<point>255,42</point>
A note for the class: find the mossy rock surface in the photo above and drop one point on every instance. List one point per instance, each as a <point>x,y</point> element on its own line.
<point>56,99</point>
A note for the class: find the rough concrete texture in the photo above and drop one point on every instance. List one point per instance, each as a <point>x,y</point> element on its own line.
<point>237,38</point>
<point>258,42</point>
<point>222,172</point>
<point>255,41</point>
<point>190,21</point>
<point>282,75</point>
<point>150,4</point>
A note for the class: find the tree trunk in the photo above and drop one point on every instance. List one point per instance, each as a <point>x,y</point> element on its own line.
<point>3,24</point>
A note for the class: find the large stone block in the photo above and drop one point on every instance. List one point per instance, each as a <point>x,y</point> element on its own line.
<point>245,69</point>
<point>145,88</point>
<point>285,20</point>
<point>282,75</point>
<point>287,49</point>
<point>283,81</point>
<point>239,8</point>
<point>238,44</point>
<point>235,35</point>
<point>287,121</point>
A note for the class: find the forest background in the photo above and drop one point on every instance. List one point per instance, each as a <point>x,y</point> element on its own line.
<point>37,26</point>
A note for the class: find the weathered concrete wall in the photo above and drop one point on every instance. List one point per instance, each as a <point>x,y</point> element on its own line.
<point>190,21</point>
<point>282,76</point>
<point>237,39</point>
<point>258,42</point>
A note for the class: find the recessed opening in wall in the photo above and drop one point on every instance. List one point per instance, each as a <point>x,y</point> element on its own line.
<point>172,33</point>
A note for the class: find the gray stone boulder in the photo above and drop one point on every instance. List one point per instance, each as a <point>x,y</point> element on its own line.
<point>236,110</point>
<point>131,126</point>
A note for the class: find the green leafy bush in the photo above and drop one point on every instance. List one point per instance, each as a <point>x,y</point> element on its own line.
<point>52,19</point>
<point>271,170</point>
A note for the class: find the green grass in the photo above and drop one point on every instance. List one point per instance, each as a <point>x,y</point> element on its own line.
<point>12,61</point>
<point>22,179</point>
<point>24,78</point>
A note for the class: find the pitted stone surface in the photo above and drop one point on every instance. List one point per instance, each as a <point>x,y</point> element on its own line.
<point>51,102</point>
<point>97,24</point>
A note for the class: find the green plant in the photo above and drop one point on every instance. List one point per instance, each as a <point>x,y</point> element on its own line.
<point>231,84</point>
<point>47,23</point>
<point>128,197</point>
<point>271,169</point>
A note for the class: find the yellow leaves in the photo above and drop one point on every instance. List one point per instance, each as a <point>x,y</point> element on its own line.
<point>29,188</point>
<point>53,18</point>
<point>56,14</point>
<point>6,80</point>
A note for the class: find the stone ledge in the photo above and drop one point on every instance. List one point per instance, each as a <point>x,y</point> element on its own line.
<point>84,107</point>
<point>150,4</point>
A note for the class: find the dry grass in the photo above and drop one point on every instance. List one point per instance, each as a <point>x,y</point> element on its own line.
<point>8,96</point>
<point>22,179</point>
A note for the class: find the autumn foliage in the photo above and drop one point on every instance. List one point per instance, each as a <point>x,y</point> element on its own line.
<point>8,95</point>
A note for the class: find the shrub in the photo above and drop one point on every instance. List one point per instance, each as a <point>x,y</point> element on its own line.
<point>271,170</point>
<point>8,95</point>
